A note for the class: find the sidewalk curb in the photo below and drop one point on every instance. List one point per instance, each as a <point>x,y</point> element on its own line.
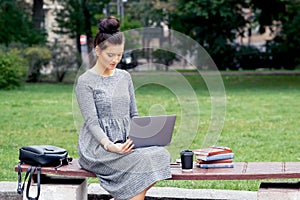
<point>95,192</point>
<point>8,191</point>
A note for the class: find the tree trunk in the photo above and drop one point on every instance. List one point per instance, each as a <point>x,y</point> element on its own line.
<point>88,26</point>
<point>38,14</point>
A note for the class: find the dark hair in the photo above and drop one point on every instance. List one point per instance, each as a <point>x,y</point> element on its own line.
<point>108,32</point>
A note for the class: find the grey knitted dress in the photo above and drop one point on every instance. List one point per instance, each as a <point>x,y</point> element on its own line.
<point>107,104</point>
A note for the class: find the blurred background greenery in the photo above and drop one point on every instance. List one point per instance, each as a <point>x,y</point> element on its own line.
<point>52,35</point>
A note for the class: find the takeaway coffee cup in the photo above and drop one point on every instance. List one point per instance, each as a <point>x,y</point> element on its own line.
<point>187,160</point>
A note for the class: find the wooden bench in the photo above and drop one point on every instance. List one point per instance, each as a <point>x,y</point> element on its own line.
<point>241,171</point>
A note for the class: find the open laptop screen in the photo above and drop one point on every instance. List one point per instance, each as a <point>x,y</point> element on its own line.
<point>152,130</point>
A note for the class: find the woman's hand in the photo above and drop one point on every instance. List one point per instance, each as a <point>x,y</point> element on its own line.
<point>120,148</point>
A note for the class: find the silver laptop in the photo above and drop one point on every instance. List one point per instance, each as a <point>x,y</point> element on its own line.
<point>152,130</point>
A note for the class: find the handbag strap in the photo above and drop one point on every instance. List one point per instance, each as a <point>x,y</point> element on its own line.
<point>64,161</point>
<point>20,186</point>
<point>33,169</point>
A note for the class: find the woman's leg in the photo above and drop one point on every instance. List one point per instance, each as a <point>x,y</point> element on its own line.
<point>141,195</point>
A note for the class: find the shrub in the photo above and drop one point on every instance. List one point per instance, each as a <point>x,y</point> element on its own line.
<point>64,58</point>
<point>164,57</point>
<point>13,70</point>
<point>37,57</point>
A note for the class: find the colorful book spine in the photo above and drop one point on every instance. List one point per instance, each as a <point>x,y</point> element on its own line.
<point>215,161</point>
<point>216,157</point>
<point>219,165</point>
<point>213,150</point>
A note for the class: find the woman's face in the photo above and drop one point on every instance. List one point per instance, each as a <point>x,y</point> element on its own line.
<point>109,57</point>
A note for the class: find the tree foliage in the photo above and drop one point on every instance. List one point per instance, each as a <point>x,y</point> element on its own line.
<point>16,24</point>
<point>148,13</point>
<point>283,15</point>
<point>213,24</point>
<point>76,17</point>
<point>268,11</point>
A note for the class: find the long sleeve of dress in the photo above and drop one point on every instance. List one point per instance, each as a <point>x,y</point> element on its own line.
<point>84,94</point>
<point>133,108</point>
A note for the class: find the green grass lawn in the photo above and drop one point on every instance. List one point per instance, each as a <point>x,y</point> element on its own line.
<point>261,123</point>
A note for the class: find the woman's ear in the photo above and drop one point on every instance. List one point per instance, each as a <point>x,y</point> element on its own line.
<point>97,50</point>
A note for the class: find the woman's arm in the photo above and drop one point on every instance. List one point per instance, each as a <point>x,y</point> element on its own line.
<point>86,103</point>
<point>85,99</point>
<point>133,109</point>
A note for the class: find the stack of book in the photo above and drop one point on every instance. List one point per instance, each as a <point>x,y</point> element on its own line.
<point>214,157</point>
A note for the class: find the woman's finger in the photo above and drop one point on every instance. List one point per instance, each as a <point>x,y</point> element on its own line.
<point>127,144</point>
<point>130,148</point>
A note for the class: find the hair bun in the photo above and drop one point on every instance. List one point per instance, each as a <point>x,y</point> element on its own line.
<point>109,25</point>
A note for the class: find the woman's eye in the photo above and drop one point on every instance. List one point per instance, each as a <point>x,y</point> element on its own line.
<point>110,55</point>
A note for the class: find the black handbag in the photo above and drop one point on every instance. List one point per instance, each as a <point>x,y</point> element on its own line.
<point>39,156</point>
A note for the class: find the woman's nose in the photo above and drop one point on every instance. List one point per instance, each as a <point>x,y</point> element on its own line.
<point>117,58</point>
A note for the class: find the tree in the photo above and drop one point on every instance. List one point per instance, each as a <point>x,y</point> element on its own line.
<point>16,24</point>
<point>213,24</point>
<point>64,57</point>
<point>285,47</point>
<point>145,13</point>
<point>37,58</point>
<point>267,12</point>
<point>283,19</point>
<point>76,17</point>
<point>149,13</point>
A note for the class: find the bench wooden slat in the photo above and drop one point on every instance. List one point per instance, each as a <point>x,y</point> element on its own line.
<point>72,169</point>
<point>241,171</point>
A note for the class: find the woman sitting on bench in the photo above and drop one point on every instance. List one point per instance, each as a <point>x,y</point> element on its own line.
<point>105,95</point>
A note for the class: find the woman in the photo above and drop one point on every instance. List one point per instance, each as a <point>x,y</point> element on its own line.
<point>106,99</point>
